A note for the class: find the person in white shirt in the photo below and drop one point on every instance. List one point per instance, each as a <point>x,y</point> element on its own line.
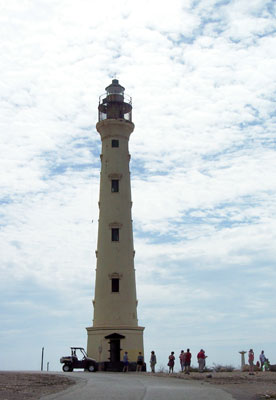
<point>262,359</point>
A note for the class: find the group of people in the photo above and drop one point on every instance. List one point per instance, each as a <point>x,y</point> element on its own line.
<point>184,358</point>
<point>185,361</point>
<point>140,362</point>
<point>263,363</point>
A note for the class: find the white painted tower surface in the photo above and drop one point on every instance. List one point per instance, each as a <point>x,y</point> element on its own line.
<point>115,326</point>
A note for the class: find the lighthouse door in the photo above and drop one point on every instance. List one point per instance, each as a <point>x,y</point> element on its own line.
<point>115,350</point>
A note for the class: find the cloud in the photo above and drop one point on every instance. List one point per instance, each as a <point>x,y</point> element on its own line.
<point>203,163</point>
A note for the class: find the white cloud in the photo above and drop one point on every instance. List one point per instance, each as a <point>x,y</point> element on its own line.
<point>203,163</point>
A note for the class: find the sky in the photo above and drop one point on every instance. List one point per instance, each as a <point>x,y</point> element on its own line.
<point>201,74</point>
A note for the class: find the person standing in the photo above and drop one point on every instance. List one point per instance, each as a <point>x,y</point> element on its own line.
<point>171,362</point>
<point>182,360</point>
<point>152,361</point>
<point>266,366</point>
<point>251,362</point>
<point>187,361</point>
<point>140,362</point>
<point>262,359</point>
<point>201,360</point>
<point>125,361</point>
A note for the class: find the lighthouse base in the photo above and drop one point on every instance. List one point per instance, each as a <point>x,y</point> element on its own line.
<point>108,345</point>
<point>118,367</point>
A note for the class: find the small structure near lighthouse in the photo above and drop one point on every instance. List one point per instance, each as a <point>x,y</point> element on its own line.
<point>115,327</point>
<point>242,353</point>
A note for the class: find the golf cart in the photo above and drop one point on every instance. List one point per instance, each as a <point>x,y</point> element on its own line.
<point>78,359</point>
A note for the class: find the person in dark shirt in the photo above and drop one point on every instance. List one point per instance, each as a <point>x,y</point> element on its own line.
<point>140,362</point>
<point>171,362</point>
<point>152,361</point>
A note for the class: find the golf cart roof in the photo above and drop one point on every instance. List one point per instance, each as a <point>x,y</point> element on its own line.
<point>77,348</point>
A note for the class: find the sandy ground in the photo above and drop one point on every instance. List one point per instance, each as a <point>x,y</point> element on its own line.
<point>242,386</point>
<point>32,385</point>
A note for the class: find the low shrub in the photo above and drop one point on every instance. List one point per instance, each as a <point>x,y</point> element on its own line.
<point>223,368</point>
<point>195,369</point>
<point>246,368</point>
<point>162,369</point>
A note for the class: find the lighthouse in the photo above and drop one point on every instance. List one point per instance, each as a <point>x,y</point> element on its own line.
<point>115,327</point>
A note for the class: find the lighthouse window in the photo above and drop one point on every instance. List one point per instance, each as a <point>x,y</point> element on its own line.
<point>115,143</point>
<point>115,234</point>
<point>115,185</point>
<point>115,285</point>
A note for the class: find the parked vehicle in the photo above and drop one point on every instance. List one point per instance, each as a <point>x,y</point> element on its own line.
<point>78,359</point>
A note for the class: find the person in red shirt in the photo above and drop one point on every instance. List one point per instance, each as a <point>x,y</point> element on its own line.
<point>251,362</point>
<point>201,360</point>
<point>187,362</point>
<point>171,362</point>
<point>182,360</point>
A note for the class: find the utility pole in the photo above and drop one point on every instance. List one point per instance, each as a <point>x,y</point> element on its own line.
<point>42,357</point>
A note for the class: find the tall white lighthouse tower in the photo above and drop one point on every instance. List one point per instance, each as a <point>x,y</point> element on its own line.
<point>115,326</point>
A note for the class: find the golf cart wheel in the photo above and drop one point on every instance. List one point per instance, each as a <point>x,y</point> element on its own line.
<point>67,368</point>
<point>91,368</point>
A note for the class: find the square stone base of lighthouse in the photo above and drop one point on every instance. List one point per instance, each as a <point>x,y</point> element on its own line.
<point>108,345</point>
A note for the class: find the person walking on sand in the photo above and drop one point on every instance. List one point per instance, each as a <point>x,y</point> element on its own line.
<point>152,361</point>
<point>201,360</point>
<point>125,361</point>
<point>182,360</point>
<point>187,361</point>
<point>140,362</point>
<point>251,362</point>
<point>171,362</point>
